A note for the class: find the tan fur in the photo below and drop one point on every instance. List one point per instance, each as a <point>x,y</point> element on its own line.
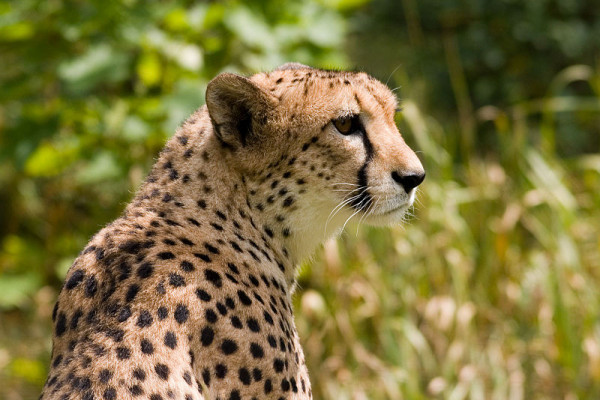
<point>200,267</point>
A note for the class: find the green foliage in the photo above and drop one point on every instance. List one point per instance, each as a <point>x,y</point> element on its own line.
<point>490,292</point>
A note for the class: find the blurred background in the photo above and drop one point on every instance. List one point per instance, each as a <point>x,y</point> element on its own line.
<point>490,291</point>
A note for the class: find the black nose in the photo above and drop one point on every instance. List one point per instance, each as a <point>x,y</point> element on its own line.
<point>408,181</point>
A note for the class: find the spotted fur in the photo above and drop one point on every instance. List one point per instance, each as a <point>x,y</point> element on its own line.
<point>188,294</point>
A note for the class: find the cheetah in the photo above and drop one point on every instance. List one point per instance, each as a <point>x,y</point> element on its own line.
<point>187,295</point>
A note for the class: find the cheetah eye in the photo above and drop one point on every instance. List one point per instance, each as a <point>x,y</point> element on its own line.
<point>347,125</point>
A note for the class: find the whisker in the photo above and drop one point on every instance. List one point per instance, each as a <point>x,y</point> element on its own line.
<point>360,208</point>
<point>339,207</point>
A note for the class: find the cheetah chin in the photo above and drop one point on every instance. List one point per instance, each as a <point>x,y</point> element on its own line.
<point>187,295</point>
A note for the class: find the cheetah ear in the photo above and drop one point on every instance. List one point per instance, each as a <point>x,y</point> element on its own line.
<point>236,107</point>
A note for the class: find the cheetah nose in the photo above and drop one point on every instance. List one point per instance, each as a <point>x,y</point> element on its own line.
<point>409,180</point>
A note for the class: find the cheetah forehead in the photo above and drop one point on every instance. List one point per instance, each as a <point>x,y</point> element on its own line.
<point>337,91</point>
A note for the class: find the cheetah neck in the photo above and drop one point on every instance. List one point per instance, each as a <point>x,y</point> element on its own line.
<point>192,181</point>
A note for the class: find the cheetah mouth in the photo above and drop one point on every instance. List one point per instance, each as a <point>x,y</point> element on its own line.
<point>401,208</point>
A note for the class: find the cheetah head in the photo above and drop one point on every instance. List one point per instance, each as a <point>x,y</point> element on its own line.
<point>316,148</point>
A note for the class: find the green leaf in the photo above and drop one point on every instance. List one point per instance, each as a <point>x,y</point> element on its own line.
<point>149,69</point>
<point>17,32</point>
<point>102,167</point>
<point>49,160</point>
<point>33,371</point>
<point>15,290</point>
<point>99,64</point>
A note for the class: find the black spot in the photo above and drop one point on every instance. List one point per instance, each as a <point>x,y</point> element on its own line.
<point>203,295</point>
<point>221,215</point>
<point>233,268</point>
<point>99,254</point>
<point>207,336</point>
<point>244,376</point>
<point>220,371</point>
<point>162,313</point>
<point>139,373</point>
<point>211,248</point>
<point>278,365</point>
<point>235,246</point>
<point>91,286</point>
<point>253,325</point>
<point>305,146</point>
<point>213,277</point>
<point>288,201</point>
<point>75,318</point>
<point>235,395</point>
<point>116,334</point>
<point>147,347</point>
<point>125,270</point>
<point>57,361</point>
<point>170,340</point>
<point>145,270</point>
<point>110,394</point>
<point>131,246</point>
<point>268,317</point>
<point>272,341</point>
<point>229,347</point>
<point>182,139</point>
<point>54,311</point>
<point>136,390</point>
<point>160,288</point>
<point>166,255</point>
<point>176,280</point>
<point>210,315</point>
<point>285,385</point>
<point>105,375</point>
<point>181,313</point>
<point>244,298</point>
<point>124,314</point>
<point>268,386</point>
<point>206,376</point>
<point>75,279</point>
<point>221,308</point>
<point>187,378</point>
<point>145,319</point>
<point>201,203</point>
<point>162,371</point>
<point>257,374</point>
<point>256,350</point>
<point>287,174</point>
<point>123,353</point>
<point>229,303</point>
<point>186,241</point>
<point>193,221</point>
<point>216,226</point>
<point>203,257</point>
<point>268,231</point>
<point>187,266</point>
<point>235,321</point>
<point>61,324</point>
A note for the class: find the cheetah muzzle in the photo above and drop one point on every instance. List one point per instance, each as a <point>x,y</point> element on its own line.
<point>187,294</point>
